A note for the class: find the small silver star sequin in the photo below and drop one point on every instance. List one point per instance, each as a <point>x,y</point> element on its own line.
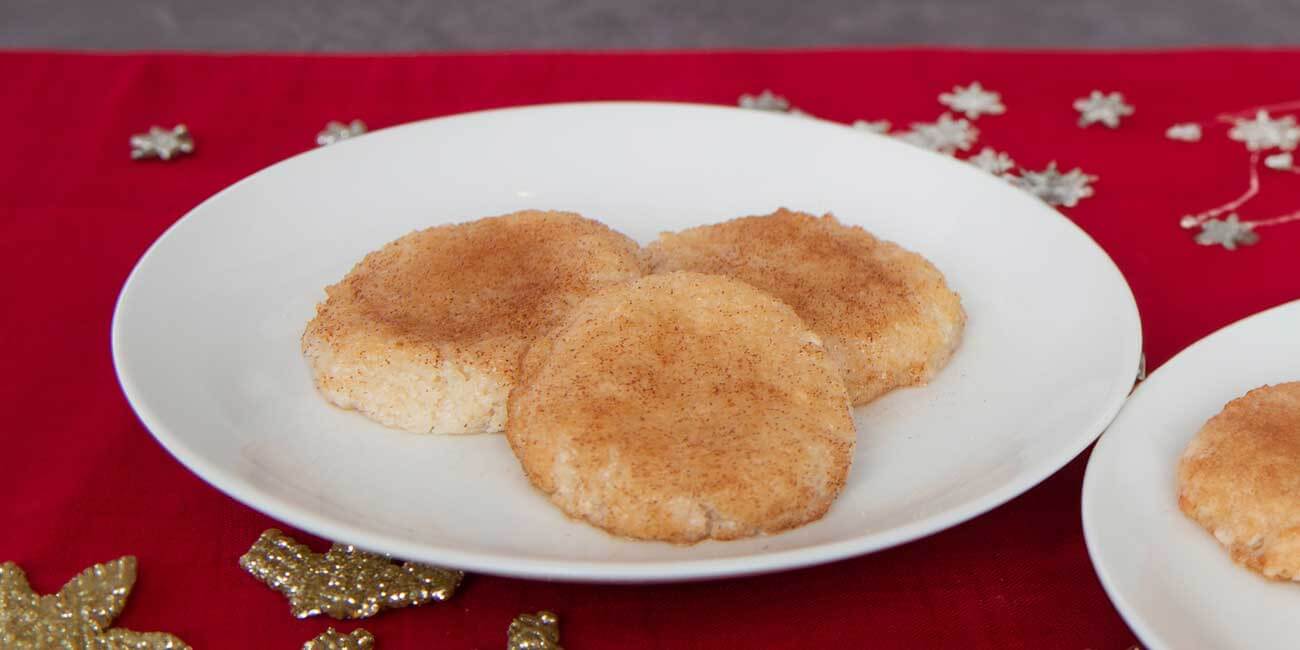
<point>1280,161</point>
<point>765,101</point>
<point>944,135</point>
<point>161,143</point>
<point>973,101</point>
<point>993,162</point>
<point>1056,188</point>
<point>1104,108</point>
<point>1265,132</point>
<point>878,126</point>
<point>338,131</point>
<point>1184,132</point>
<point>1228,233</point>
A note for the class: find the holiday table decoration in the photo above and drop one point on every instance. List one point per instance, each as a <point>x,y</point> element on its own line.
<point>76,214</point>
<point>1102,108</point>
<point>163,144</point>
<point>79,616</point>
<point>973,101</point>
<point>1056,188</point>
<point>1260,133</point>
<point>338,132</point>
<point>344,582</point>
<point>540,631</point>
<point>331,639</point>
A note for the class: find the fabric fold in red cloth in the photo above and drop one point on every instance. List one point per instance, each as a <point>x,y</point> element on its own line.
<point>85,483</point>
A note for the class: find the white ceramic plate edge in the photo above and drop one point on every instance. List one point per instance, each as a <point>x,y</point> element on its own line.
<point>1126,609</point>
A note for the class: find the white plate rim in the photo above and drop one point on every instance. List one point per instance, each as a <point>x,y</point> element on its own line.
<point>1126,609</point>
<point>611,572</point>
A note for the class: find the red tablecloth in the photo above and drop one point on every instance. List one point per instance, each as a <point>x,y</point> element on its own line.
<point>83,482</point>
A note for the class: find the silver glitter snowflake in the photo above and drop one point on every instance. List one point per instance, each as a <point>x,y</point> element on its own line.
<point>1228,233</point>
<point>338,131</point>
<point>1056,188</point>
<point>1265,132</point>
<point>973,101</point>
<point>993,162</point>
<point>1190,132</point>
<point>772,103</point>
<point>944,135</point>
<point>162,144</point>
<point>1100,107</point>
<point>765,101</point>
<point>878,126</point>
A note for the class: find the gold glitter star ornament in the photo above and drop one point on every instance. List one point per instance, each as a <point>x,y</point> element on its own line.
<point>540,631</point>
<point>78,616</point>
<point>345,582</point>
<point>331,640</point>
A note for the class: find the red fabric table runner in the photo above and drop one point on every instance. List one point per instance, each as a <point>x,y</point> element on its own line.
<point>83,482</point>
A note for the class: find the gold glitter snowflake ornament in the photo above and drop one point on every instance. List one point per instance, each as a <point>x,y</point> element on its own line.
<point>345,582</point>
<point>78,616</point>
<point>540,631</point>
<point>332,640</point>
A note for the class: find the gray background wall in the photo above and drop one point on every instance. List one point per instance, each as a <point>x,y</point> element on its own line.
<point>397,25</point>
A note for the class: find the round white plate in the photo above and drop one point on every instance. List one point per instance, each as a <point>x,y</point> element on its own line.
<point>1168,577</point>
<point>206,333</point>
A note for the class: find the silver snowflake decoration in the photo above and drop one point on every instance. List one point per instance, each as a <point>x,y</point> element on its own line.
<point>772,103</point>
<point>1264,132</point>
<point>973,101</point>
<point>162,144</point>
<point>338,131</point>
<point>1228,233</point>
<point>878,126</point>
<point>944,135</point>
<point>993,162</point>
<point>1190,132</point>
<point>1056,188</point>
<point>1100,107</point>
<point>765,101</point>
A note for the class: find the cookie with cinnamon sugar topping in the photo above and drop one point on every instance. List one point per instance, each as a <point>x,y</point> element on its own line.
<point>683,407</point>
<point>886,314</point>
<point>426,333</point>
<point>1239,478</point>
